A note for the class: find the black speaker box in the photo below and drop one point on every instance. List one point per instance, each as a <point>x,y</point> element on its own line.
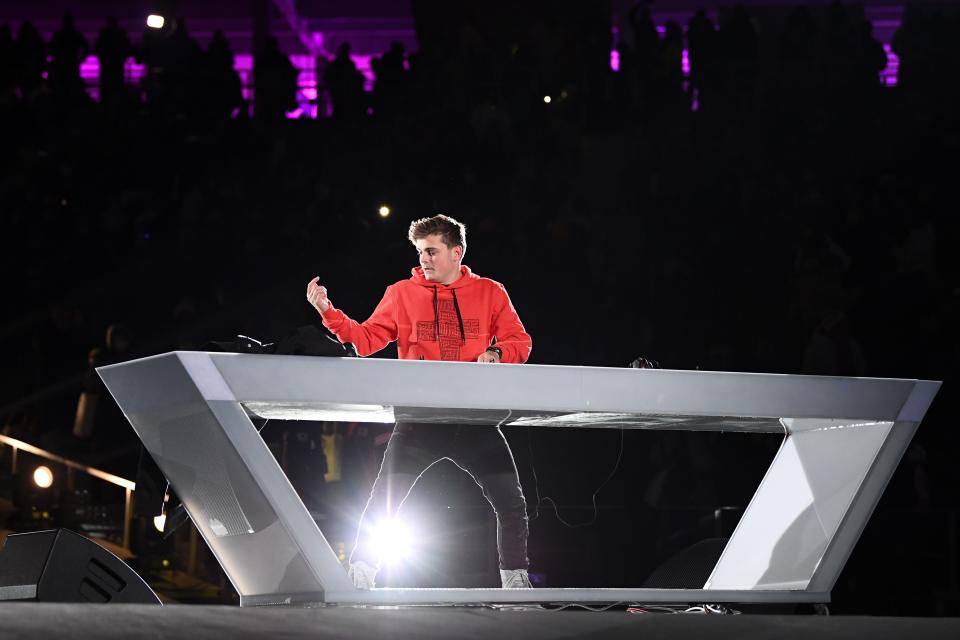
<point>62,566</point>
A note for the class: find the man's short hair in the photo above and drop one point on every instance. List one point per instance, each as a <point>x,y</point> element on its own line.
<point>452,232</point>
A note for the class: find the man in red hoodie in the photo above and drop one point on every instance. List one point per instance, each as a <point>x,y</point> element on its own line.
<point>442,312</point>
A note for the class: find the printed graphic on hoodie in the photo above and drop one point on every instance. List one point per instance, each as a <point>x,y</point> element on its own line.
<point>450,339</point>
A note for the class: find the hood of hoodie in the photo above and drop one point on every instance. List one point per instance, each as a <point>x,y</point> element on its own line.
<point>467,277</point>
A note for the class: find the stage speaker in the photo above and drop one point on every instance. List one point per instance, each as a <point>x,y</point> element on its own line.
<point>62,566</point>
<point>688,569</point>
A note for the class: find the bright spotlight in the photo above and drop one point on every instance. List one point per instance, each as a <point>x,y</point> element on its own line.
<point>154,21</point>
<point>384,211</point>
<point>392,541</point>
<point>547,99</point>
<point>159,521</point>
<point>43,477</point>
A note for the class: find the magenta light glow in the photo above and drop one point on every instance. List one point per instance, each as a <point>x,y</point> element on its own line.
<point>307,80</point>
<point>615,61</point>
<point>888,77</point>
<point>308,83</point>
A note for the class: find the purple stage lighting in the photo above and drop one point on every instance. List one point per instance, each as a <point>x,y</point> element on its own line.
<point>311,98</point>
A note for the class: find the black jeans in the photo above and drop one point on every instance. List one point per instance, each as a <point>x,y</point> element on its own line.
<point>481,451</point>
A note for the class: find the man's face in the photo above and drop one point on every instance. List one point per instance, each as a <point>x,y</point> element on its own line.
<point>440,263</point>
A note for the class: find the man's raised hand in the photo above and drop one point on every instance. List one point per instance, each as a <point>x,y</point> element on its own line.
<point>317,295</point>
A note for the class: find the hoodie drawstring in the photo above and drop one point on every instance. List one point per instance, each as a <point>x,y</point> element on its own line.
<point>436,315</point>
<point>456,307</point>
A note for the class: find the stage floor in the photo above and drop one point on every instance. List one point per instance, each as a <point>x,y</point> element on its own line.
<point>29,620</point>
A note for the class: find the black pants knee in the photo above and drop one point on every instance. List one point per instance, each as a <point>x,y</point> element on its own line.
<point>481,451</point>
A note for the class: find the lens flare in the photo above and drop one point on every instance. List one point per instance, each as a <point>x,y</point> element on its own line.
<point>392,541</point>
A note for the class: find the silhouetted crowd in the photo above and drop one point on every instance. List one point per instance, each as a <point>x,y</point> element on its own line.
<point>775,209</point>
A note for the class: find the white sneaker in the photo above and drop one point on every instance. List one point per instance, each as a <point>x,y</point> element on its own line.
<point>515,579</point>
<point>363,575</point>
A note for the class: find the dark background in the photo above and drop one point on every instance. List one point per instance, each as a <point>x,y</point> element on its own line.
<point>780,206</point>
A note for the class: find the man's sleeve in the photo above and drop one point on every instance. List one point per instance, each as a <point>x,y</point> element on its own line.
<point>371,335</point>
<point>512,339</point>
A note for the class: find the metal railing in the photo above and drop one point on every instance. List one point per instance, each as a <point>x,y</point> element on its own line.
<point>128,485</point>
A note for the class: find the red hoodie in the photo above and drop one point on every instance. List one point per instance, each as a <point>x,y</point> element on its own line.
<point>468,315</point>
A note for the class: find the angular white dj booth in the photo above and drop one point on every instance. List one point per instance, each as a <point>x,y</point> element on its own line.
<point>843,438</point>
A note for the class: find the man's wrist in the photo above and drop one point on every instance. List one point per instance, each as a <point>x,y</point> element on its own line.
<point>496,350</point>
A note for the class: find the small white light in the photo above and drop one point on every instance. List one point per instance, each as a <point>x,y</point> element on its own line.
<point>159,522</point>
<point>43,477</point>
<point>547,99</point>
<point>154,21</point>
<point>384,211</point>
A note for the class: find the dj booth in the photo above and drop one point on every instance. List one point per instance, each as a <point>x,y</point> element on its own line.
<point>842,441</point>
